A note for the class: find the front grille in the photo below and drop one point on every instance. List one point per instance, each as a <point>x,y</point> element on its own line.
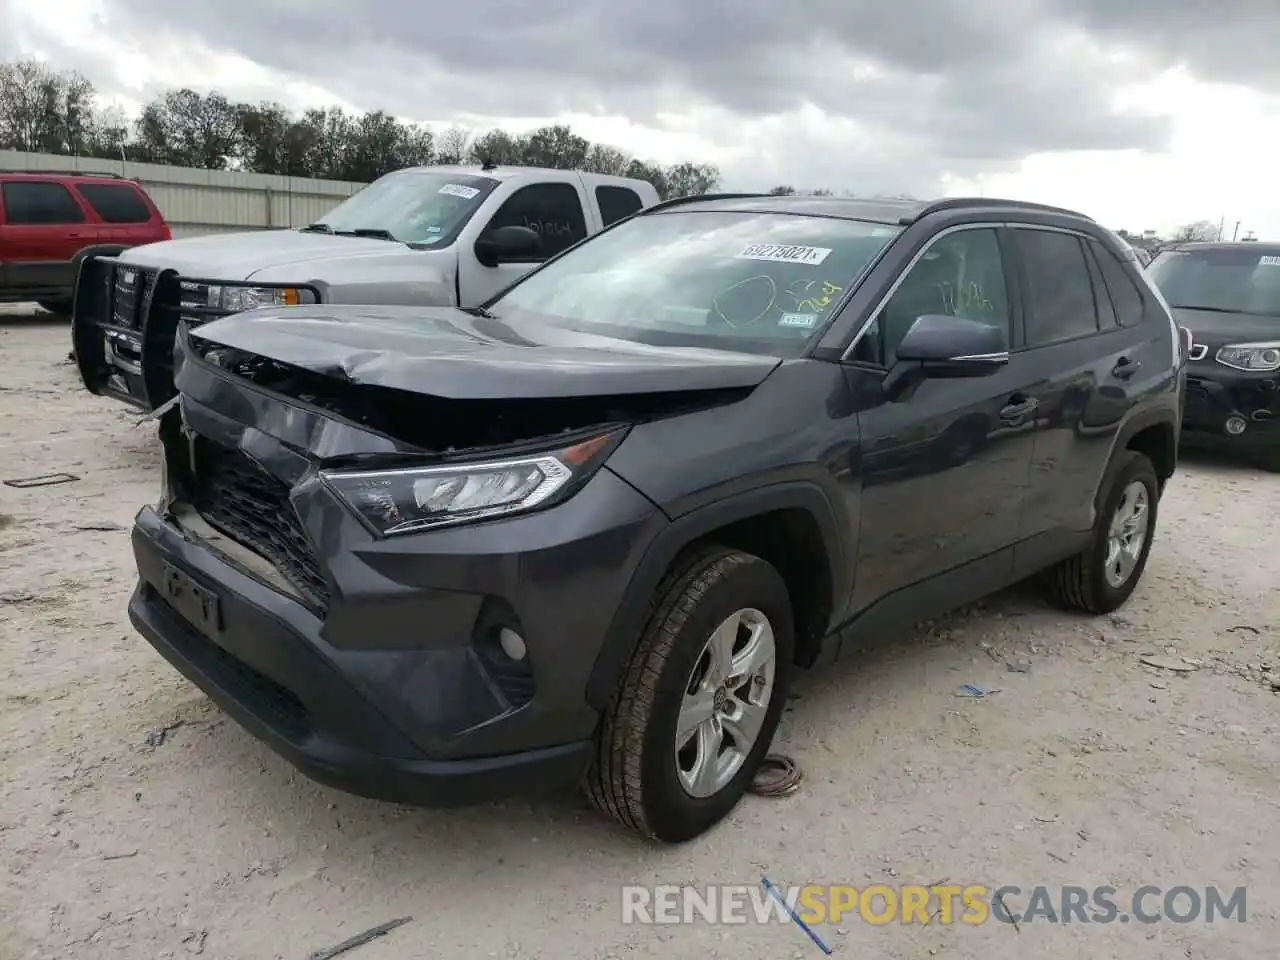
<point>252,507</point>
<point>131,292</point>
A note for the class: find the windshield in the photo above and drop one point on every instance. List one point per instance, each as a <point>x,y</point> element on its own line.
<point>1225,279</point>
<point>753,282</point>
<point>412,206</point>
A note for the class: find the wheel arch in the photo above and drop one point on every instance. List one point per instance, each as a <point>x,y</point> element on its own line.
<point>791,525</point>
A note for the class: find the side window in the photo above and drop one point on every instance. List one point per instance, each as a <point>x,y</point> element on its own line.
<point>551,210</point>
<point>616,203</point>
<point>960,275</point>
<point>34,202</point>
<point>1124,292</point>
<point>115,203</point>
<point>1060,302</point>
<point>1101,298</point>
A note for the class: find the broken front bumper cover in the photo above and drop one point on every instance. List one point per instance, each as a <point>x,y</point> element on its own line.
<point>273,680</point>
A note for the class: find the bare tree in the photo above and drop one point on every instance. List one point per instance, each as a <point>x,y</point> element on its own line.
<point>452,145</point>
<point>1198,232</point>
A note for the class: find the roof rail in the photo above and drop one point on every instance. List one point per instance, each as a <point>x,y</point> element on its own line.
<point>677,201</point>
<point>72,173</point>
<point>965,203</point>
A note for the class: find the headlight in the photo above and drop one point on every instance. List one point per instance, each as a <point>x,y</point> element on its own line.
<point>204,298</point>
<point>404,500</point>
<point>1256,357</point>
<point>239,299</point>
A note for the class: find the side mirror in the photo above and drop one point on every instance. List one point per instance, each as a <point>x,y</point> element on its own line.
<point>942,347</point>
<point>507,243</point>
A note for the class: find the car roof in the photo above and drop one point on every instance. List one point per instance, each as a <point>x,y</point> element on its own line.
<point>1264,249</point>
<point>509,172</point>
<point>890,211</point>
<point>64,175</point>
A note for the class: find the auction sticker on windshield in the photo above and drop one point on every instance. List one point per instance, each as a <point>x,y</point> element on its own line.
<point>784,253</point>
<point>459,190</point>
<point>803,320</point>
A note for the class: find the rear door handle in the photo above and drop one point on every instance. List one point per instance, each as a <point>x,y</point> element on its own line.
<point>1125,368</point>
<point>1019,408</point>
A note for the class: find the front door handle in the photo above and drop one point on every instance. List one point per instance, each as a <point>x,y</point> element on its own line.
<point>1125,368</point>
<point>1019,408</point>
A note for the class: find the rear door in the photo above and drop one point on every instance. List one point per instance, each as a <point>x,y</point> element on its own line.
<point>45,226</point>
<point>555,210</point>
<point>1085,347</point>
<point>126,218</point>
<point>943,469</point>
<point>616,202</point>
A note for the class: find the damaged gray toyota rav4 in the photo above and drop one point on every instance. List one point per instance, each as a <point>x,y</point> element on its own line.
<point>589,532</point>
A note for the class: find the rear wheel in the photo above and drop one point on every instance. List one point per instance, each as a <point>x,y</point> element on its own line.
<point>1101,577</point>
<point>701,698</point>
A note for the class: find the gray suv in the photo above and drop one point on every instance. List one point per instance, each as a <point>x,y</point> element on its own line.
<point>589,531</point>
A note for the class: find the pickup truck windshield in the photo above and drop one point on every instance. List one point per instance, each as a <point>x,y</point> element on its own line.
<point>744,281</point>
<point>411,206</point>
<point>1220,280</point>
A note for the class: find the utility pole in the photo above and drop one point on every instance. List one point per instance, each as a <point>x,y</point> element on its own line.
<point>1222,222</point>
<point>1236,232</point>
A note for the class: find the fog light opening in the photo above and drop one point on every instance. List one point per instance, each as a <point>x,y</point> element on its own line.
<point>512,644</point>
<point>1236,425</point>
<point>1261,415</point>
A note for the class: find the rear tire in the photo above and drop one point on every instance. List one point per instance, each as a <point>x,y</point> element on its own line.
<point>637,775</point>
<point>1091,580</point>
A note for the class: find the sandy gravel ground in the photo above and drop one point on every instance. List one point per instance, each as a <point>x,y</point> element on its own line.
<point>135,821</point>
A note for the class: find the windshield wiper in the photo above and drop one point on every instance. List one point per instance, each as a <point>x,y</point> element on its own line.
<point>478,312</point>
<point>372,232</point>
<point>316,228</point>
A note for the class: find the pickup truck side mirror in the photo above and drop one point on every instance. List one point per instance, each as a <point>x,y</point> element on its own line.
<point>507,243</point>
<point>943,347</point>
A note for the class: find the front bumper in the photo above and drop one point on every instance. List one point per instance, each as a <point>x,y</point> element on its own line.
<point>1248,401</point>
<point>390,695</point>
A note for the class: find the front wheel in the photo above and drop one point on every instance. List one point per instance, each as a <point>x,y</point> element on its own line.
<point>62,307</point>
<point>1101,577</point>
<point>701,698</point>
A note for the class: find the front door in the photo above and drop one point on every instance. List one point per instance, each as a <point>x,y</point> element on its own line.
<point>943,469</point>
<point>552,210</point>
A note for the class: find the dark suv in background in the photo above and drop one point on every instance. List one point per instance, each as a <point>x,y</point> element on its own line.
<point>1228,296</point>
<point>590,530</point>
<point>52,220</point>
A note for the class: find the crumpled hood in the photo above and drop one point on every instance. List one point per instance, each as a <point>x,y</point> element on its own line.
<point>238,256</point>
<point>444,352</point>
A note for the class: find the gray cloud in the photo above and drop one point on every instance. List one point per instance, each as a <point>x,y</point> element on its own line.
<point>969,86</point>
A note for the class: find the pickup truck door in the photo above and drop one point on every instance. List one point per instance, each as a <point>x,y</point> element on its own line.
<point>558,210</point>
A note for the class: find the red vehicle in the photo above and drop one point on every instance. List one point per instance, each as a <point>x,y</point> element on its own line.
<point>51,220</point>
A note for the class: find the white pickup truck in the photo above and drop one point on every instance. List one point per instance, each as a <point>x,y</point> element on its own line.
<point>431,236</point>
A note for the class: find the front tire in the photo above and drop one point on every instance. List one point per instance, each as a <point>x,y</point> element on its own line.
<point>1101,577</point>
<point>61,307</point>
<point>700,700</point>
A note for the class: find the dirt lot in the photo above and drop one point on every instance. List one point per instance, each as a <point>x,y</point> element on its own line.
<point>136,821</point>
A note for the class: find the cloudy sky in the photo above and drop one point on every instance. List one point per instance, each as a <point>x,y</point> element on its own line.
<point>1145,114</point>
